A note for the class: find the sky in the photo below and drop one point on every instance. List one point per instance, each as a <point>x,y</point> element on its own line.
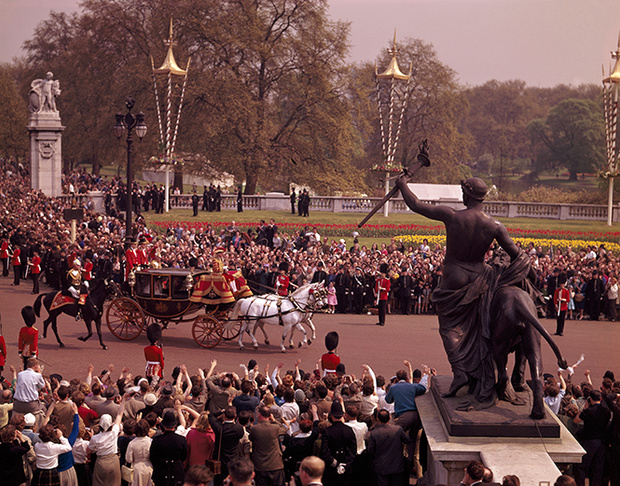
<point>542,42</point>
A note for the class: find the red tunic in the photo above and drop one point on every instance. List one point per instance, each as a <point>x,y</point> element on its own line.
<point>131,256</point>
<point>143,257</point>
<point>16,260</point>
<point>154,360</point>
<point>36,265</point>
<point>282,284</point>
<point>563,294</point>
<point>329,361</point>
<point>87,271</point>
<point>2,351</point>
<point>384,284</point>
<point>4,250</point>
<point>28,342</point>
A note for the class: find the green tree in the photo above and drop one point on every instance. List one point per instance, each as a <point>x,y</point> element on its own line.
<point>270,101</point>
<point>13,115</point>
<point>572,136</point>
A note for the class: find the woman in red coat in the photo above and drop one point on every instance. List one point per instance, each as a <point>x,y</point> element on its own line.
<point>200,441</point>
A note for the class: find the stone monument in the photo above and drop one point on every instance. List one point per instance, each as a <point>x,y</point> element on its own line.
<point>45,130</point>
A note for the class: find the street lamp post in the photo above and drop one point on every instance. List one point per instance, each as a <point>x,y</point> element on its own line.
<point>129,122</point>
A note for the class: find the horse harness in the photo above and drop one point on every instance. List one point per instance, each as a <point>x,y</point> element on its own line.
<point>296,307</point>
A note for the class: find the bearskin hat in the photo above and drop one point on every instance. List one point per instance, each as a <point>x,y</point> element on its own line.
<point>383,268</point>
<point>283,266</point>
<point>29,316</point>
<point>331,340</point>
<point>153,333</point>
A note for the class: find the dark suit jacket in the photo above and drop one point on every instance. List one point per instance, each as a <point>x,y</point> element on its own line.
<point>168,451</point>
<point>338,443</point>
<point>385,446</point>
<point>230,434</point>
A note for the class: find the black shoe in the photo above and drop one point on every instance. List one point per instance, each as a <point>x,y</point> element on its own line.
<point>378,324</point>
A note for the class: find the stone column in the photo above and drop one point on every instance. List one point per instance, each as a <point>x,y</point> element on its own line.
<point>45,131</point>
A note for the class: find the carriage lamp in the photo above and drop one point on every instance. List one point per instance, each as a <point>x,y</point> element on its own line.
<point>189,282</point>
<point>131,279</point>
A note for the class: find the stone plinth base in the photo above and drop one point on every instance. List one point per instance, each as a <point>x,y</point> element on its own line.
<point>532,459</point>
<point>502,420</point>
<point>46,152</point>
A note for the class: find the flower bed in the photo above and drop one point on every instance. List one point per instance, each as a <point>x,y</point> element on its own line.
<point>332,230</point>
<point>574,238</point>
<point>545,243</point>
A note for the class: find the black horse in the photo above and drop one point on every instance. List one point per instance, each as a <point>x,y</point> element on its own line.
<point>517,329</point>
<point>91,311</point>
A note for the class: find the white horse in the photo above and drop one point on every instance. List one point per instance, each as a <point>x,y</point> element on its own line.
<point>306,320</point>
<point>288,312</point>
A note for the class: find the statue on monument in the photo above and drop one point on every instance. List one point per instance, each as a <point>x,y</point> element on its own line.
<point>484,313</point>
<point>43,94</point>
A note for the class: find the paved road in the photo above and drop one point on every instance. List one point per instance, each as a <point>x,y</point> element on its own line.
<point>415,338</point>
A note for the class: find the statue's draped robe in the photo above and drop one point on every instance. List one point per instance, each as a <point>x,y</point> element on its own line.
<point>464,320</point>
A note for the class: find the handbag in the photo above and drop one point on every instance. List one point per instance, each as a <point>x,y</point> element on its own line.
<point>214,464</point>
<point>579,297</point>
<point>127,473</point>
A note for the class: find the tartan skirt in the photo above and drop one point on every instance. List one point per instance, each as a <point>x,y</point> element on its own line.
<point>45,477</point>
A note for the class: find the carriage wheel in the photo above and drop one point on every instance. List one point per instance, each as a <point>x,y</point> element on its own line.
<point>207,331</point>
<point>231,330</point>
<point>125,318</point>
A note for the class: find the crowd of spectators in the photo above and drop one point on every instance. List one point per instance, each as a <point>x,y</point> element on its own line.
<point>33,222</point>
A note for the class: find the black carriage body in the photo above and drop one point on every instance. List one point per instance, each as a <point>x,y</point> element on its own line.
<point>162,293</point>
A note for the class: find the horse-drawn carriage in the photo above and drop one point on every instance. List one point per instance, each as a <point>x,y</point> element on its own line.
<point>179,295</point>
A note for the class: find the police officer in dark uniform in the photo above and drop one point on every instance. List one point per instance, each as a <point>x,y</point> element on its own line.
<point>239,201</point>
<point>358,290</point>
<point>168,452</point>
<point>195,201</point>
<point>320,275</point>
<point>405,286</point>
<point>341,285</point>
<point>293,200</point>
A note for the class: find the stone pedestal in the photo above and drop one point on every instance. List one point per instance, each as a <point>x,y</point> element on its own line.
<point>45,131</point>
<point>532,459</point>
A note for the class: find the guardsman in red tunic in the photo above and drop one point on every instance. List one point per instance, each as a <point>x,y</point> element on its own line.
<point>143,254</point>
<point>330,360</point>
<point>282,280</point>
<point>28,341</point>
<point>382,290</point>
<point>87,270</point>
<point>4,256</point>
<point>561,297</point>
<point>16,261</point>
<point>153,353</point>
<point>35,270</point>
<point>131,257</point>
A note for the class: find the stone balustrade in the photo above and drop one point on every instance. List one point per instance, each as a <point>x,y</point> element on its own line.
<point>331,204</point>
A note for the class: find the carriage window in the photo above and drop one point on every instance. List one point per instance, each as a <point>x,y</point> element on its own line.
<point>178,288</point>
<point>143,285</point>
<point>161,286</point>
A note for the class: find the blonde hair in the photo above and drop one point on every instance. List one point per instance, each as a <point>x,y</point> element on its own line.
<point>202,422</point>
<point>268,399</point>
